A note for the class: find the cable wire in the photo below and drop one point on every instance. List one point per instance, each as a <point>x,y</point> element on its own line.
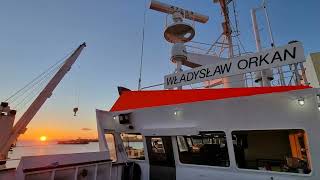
<point>35,92</point>
<point>142,44</point>
<point>32,86</point>
<point>36,78</point>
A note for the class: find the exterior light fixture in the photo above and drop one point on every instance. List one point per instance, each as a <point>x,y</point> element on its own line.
<point>319,107</point>
<point>301,101</point>
<point>177,113</point>
<point>114,117</point>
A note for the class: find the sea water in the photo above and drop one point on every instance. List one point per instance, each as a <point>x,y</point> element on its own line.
<point>32,148</point>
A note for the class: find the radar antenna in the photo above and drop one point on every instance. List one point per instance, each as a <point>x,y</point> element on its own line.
<point>179,31</point>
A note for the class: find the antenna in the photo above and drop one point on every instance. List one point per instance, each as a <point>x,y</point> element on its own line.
<point>178,31</point>
<point>169,9</point>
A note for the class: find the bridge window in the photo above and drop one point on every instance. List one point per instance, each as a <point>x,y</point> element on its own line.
<point>272,150</point>
<point>133,144</point>
<point>207,148</point>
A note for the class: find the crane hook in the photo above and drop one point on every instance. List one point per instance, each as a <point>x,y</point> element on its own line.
<point>75,110</point>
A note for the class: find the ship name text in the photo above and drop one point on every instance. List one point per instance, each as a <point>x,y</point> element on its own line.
<point>275,57</point>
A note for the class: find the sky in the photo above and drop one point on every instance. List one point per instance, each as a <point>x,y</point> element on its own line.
<point>35,34</point>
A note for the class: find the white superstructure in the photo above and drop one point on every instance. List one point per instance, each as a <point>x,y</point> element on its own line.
<point>265,127</point>
<point>258,136</point>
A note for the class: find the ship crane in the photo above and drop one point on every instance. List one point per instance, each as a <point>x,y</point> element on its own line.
<point>8,132</point>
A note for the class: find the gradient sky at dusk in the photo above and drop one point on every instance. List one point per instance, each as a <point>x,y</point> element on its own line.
<point>35,34</point>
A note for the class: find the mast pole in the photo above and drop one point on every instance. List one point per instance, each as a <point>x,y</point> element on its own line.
<point>226,26</point>
<point>236,80</point>
<point>264,81</point>
<point>282,80</point>
<point>268,24</point>
<point>21,125</point>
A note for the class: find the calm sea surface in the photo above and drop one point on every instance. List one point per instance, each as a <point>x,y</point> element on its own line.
<point>31,148</point>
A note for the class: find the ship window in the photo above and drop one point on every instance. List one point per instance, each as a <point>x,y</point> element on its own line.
<point>272,150</point>
<point>207,148</point>
<point>111,146</point>
<point>133,143</point>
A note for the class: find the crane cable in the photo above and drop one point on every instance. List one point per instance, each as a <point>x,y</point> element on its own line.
<point>36,80</point>
<point>37,89</point>
<point>32,90</point>
<point>142,44</point>
<point>76,96</point>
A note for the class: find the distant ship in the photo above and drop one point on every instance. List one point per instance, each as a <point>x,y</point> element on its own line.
<point>74,141</point>
<point>93,140</point>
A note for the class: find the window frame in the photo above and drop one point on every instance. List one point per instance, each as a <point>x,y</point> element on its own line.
<point>143,145</point>
<point>186,137</point>
<point>267,171</point>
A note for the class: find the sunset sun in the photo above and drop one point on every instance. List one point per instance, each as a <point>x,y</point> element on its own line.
<point>43,138</point>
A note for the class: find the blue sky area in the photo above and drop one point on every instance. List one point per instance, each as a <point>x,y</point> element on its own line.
<point>35,34</point>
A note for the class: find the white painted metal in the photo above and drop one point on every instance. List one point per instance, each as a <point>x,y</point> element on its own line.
<point>178,56</point>
<point>256,29</point>
<point>71,162</point>
<point>178,52</point>
<point>179,31</point>
<point>178,70</point>
<point>202,59</point>
<point>38,102</point>
<point>312,65</point>
<point>193,60</point>
<point>260,112</point>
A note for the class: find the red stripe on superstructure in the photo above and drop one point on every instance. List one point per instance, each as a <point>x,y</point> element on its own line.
<point>144,99</point>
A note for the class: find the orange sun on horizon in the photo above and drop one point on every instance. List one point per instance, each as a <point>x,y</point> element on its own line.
<point>43,138</point>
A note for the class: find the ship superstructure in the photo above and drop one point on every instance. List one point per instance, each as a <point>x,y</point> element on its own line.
<point>262,123</point>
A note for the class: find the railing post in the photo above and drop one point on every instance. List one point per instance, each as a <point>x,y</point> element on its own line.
<point>53,173</point>
<point>95,172</point>
<point>282,80</point>
<point>76,173</point>
<point>297,75</point>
